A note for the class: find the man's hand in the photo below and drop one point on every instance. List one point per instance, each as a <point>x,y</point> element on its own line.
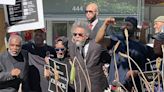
<point>15,72</point>
<point>133,72</point>
<point>145,25</point>
<point>47,59</point>
<point>47,73</point>
<point>109,21</point>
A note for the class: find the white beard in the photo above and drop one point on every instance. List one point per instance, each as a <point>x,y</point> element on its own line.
<point>60,56</point>
<point>13,54</point>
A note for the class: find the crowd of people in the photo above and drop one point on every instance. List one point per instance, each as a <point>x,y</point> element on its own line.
<point>93,44</point>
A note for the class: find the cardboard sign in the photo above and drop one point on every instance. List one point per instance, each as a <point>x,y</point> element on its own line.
<point>150,66</point>
<point>151,76</point>
<point>7,2</point>
<point>62,83</point>
<point>24,15</point>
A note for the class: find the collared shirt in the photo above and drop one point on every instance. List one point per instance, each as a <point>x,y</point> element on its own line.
<point>94,23</point>
<point>86,49</point>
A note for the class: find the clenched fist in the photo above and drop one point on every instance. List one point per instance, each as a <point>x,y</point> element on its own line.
<point>110,21</point>
<point>15,72</point>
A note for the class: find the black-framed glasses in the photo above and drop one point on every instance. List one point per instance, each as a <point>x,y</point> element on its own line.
<point>79,34</point>
<point>89,11</point>
<point>59,49</point>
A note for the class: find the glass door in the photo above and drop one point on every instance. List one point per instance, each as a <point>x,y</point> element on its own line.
<point>57,29</point>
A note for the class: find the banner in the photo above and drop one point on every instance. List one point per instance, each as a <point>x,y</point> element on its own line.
<point>7,2</point>
<point>24,15</point>
<point>60,85</point>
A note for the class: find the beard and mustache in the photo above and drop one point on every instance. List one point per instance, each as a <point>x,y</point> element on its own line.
<point>92,19</point>
<point>14,53</point>
<point>80,43</point>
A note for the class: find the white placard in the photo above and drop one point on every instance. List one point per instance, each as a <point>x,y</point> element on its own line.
<point>8,2</point>
<point>24,15</point>
<point>61,84</point>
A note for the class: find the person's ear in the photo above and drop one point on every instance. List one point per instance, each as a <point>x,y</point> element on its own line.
<point>97,13</point>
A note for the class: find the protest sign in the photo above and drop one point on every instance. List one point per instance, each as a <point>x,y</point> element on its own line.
<point>61,84</point>
<point>154,80</point>
<point>7,2</point>
<point>24,15</point>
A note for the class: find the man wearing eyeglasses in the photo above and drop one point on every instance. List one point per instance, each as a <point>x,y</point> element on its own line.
<point>90,59</point>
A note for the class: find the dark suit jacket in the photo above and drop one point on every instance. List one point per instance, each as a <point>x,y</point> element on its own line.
<point>95,29</point>
<point>9,83</point>
<point>94,62</point>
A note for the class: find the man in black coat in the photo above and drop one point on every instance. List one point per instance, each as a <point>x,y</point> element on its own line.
<point>137,51</point>
<point>38,50</point>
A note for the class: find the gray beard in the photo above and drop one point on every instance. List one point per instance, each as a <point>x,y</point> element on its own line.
<point>60,56</point>
<point>80,44</point>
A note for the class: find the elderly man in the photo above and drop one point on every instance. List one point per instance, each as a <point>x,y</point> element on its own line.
<point>13,66</point>
<point>90,58</point>
<point>159,24</point>
<point>159,35</point>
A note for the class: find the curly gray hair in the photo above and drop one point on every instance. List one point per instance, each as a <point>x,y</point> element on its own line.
<point>81,24</point>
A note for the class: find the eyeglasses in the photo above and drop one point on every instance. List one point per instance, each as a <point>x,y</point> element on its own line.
<point>89,11</point>
<point>79,34</point>
<point>59,49</point>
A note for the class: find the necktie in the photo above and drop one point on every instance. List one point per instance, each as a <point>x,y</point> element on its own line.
<point>82,51</point>
<point>90,26</point>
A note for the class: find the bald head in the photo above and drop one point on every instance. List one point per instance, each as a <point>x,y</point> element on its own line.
<point>92,6</point>
<point>15,44</point>
<point>91,12</point>
<point>15,37</point>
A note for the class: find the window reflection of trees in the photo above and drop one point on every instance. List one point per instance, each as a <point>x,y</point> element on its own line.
<point>78,6</point>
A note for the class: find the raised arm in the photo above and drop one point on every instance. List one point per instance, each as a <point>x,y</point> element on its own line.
<point>101,33</point>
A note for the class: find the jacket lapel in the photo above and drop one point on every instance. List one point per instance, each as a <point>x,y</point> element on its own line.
<point>89,51</point>
<point>79,57</point>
